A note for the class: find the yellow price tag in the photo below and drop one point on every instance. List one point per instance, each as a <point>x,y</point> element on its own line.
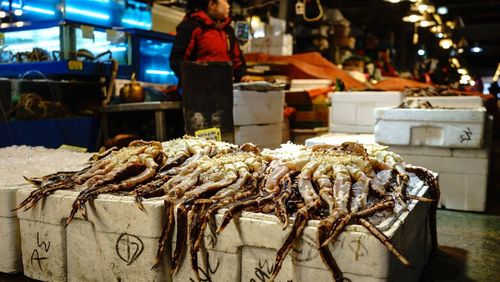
<point>75,65</point>
<point>209,134</point>
<point>72,148</point>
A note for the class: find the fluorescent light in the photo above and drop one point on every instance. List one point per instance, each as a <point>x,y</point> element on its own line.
<point>118,49</point>
<point>39,10</point>
<point>442,10</point>
<point>136,23</point>
<point>87,13</point>
<point>159,72</point>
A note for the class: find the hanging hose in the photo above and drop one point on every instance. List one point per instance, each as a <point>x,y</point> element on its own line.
<point>318,17</point>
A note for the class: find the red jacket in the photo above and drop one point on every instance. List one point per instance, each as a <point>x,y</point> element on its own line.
<point>200,39</point>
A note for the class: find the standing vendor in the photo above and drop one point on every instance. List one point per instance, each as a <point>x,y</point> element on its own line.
<point>205,35</point>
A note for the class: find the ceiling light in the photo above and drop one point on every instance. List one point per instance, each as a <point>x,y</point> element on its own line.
<point>446,43</point>
<point>424,6</point>
<point>462,71</point>
<point>442,10</point>
<point>460,50</point>
<point>421,52</point>
<point>18,12</point>
<point>413,16</point>
<point>393,1</point>
<point>476,49</point>
<point>2,14</point>
<point>427,21</point>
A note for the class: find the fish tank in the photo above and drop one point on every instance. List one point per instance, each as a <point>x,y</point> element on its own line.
<point>63,40</point>
<point>155,61</point>
<point>107,13</point>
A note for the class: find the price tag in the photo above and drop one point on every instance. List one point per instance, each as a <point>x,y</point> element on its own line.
<point>87,31</point>
<point>75,65</point>
<point>209,134</point>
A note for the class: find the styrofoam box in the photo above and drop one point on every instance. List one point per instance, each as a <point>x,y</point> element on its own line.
<point>451,101</point>
<point>263,136</point>
<point>10,248</point>
<point>118,242</point>
<point>16,161</point>
<point>353,112</point>
<point>258,107</point>
<point>307,84</point>
<point>463,174</point>
<point>246,250</point>
<point>272,45</point>
<point>452,128</point>
<point>339,138</point>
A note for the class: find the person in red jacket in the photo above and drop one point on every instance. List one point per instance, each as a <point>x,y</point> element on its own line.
<point>205,35</point>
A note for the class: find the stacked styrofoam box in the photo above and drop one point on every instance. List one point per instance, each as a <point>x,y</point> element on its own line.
<point>353,112</point>
<point>308,84</point>
<point>463,173</point>
<point>246,250</point>
<point>16,162</point>
<point>118,242</point>
<point>451,101</point>
<point>451,128</point>
<point>258,117</point>
<point>281,45</point>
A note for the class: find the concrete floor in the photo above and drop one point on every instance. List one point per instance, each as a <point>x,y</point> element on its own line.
<point>469,243</point>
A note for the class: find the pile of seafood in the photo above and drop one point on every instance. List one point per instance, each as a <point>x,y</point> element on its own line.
<point>417,104</point>
<point>336,185</point>
<point>431,91</point>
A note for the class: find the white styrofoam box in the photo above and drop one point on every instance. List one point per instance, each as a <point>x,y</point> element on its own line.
<point>117,242</point>
<point>299,136</point>
<point>339,138</point>
<point>463,173</point>
<point>307,84</point>
<point>258,107</point>
<point>16,162</point>
<point>451,101</point>
<point>246,250</point>
<point>452,128</point>
<point>263,136</point>
<point>353,112</point>
<point>281,45</point>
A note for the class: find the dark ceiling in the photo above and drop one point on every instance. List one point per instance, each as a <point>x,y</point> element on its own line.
<point>481,20</point>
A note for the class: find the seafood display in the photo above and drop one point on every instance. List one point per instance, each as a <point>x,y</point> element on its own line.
<point>335,185</point>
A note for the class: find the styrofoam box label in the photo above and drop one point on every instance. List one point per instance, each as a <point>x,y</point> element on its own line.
<point>353,112</point>
<point>452,128</point>
<point>255,107</point>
